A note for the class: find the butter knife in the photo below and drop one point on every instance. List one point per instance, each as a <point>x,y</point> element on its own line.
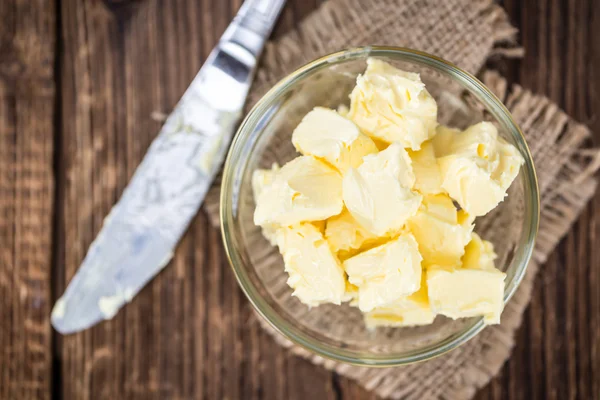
<point>140,233</point>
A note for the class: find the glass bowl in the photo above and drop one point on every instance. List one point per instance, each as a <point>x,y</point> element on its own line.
<point>264,137</point>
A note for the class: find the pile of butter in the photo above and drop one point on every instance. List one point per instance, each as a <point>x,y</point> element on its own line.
<point>379,208</point>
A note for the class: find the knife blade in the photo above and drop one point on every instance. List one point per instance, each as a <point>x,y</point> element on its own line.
<point>140,233</point>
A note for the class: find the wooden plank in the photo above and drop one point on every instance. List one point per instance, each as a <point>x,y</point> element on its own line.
<point>27,101</point>
<point>557,352</point>
<point>189,333</point>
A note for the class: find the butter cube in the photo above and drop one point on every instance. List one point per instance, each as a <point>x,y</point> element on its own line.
<point>379,193</point>
<point>385,273</point>
<point>461,292</point>
<point>428,177</point>
<point>315,274</point>
<point>442,141</point>
<point>411,310</point>
<point>351,294</point>
<point>479,254</point>
<point>262,178</point>
<point>441,231</point>
<point>478,167</point>
<point>345,234</point>
<point>475,288</point>
<point>325,134</point>
<point>393,105</point>
<point>304,189</point>
<point>343,110</point>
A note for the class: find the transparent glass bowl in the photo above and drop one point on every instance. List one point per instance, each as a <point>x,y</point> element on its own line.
<point>264,137</point>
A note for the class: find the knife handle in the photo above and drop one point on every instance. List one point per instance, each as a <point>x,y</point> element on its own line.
<point>252,25</point>
<point>259,15</point>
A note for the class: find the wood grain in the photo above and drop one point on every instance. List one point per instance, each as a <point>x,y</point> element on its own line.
<point>189,334</point>
<point>556,355</point>
<point>27,101</point>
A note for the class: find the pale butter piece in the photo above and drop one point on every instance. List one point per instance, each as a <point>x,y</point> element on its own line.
<point>344,234</point>
<point>461,293</point>
<point>412,310</point>
<point>441,231</point>
<point>385,273</point>
<point>315,274</point>
<point>262,178</point>
<point>343,110</point>
<point>325,134</point>
<point>478,167</point>
<point>442,141</point>
<point>479,254</point>
<point>320,225</point>
<point>393,105</point>
<point>378,194</point>
<point>428,176</point>
<point>304,189</point>
<point>351,294</point>
<point>475,288</point>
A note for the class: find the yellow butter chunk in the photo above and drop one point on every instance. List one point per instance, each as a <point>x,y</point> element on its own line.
<point>343,110</point>
<point>304,189</point>
<point>379,193</point>
<point>442,141</point>
<point>462,292</point>
<point>475,288</point>
<point>315,274</point>
<point>345,234</point>
<point>325,134</point>
<point>385,273</point>
<point>478,167</point>
<point>351,294</point>
<point>262,178</point>
<point>441,231</point>
<point>479,254</point>
<point>393,105</point>
<point>320,225</point>
<point>428,177</point>
<point>410,310</point>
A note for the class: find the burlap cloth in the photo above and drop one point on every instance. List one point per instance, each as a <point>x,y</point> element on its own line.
<point>467,33</point>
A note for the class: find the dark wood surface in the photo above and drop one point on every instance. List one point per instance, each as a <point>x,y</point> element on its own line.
<point>27,106</point>
<point>79,83</point>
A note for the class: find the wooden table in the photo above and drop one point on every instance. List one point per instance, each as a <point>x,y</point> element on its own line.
<point>79,82</point>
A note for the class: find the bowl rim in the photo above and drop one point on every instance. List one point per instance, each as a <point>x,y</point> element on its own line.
<point>483,94</point>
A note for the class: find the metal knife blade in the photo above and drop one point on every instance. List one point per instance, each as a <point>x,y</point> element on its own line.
<point>140,233</point>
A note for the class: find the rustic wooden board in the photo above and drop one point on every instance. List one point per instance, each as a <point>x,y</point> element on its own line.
<point>27,101</point>
<point>188,334</point>
<point>557,354</point>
